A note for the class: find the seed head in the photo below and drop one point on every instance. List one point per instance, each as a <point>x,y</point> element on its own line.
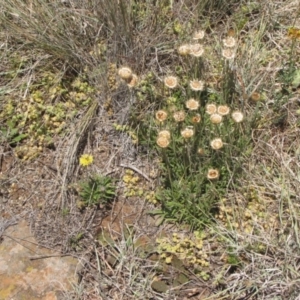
<point>179,116</point>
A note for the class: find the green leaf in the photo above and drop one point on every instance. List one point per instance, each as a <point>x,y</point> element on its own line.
<point>296,78</point>
<point>19,138</point>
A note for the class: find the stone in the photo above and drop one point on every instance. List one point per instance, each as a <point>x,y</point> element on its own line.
<point>22,277</point>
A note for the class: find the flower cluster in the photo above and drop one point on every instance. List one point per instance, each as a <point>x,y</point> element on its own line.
<point>128,76</point>
<point>194,49</point>
<point>218,112</point>
<point>163,139</point>
<point>229,45</point>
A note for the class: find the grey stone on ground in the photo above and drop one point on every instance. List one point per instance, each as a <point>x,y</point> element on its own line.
<point>24,277</point>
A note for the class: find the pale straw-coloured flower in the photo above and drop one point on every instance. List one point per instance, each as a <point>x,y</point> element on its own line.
<point>165,133</point>
<point>255,96</point>
<point>237,116</point>
<point>184,50</point>
<point>216,118</point>
<point>197,85</point>
<point>133,81</point>
<point>162,142</point>
<point>229,42</point>
<point>187,132</point>
<point>161,115</point>
<point>192,104</point>
<point>216,144</point>
<point>196,50</point>
<point>228,53</point>
<point>199,35</point>
<point>171,82</point>
<point>211,109</point>
<point>179,116</point>
<point>196,119</point>
<point>213,174</point>
<point>223,110</point>
<point>125,73</point>
<point>201,151</point>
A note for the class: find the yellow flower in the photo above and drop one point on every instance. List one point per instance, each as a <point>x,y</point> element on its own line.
<point>161,115</point>
<point>237,116</point>
<point>171,82</point>
<point>216,144</point>
<point>223,110</point>
<point>125,73</point>
<point>196,50</point>
<point>184,50</point>
<point>179,116</point>
<point>168,259</point>
<point>294,33</point>
<point>197,85</point>
<point>187,133</point>
<point>213,174</point>
<point>85,160</point>
<point>192,104</point>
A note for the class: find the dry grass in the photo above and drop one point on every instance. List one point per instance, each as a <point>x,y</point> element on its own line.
<point>253,247</point>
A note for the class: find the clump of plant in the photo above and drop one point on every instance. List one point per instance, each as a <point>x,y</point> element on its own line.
<point>97,190</point>
<point>188,249</point>
<point>201,130</point>
<point>131,182</point>
<point>30,124</point>
<point>254,217</point>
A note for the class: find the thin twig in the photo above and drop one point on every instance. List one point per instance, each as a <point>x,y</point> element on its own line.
<point>136,170</point>
<point>53,255</point>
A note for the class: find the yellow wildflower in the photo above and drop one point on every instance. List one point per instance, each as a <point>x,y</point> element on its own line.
<point>85,160</point>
